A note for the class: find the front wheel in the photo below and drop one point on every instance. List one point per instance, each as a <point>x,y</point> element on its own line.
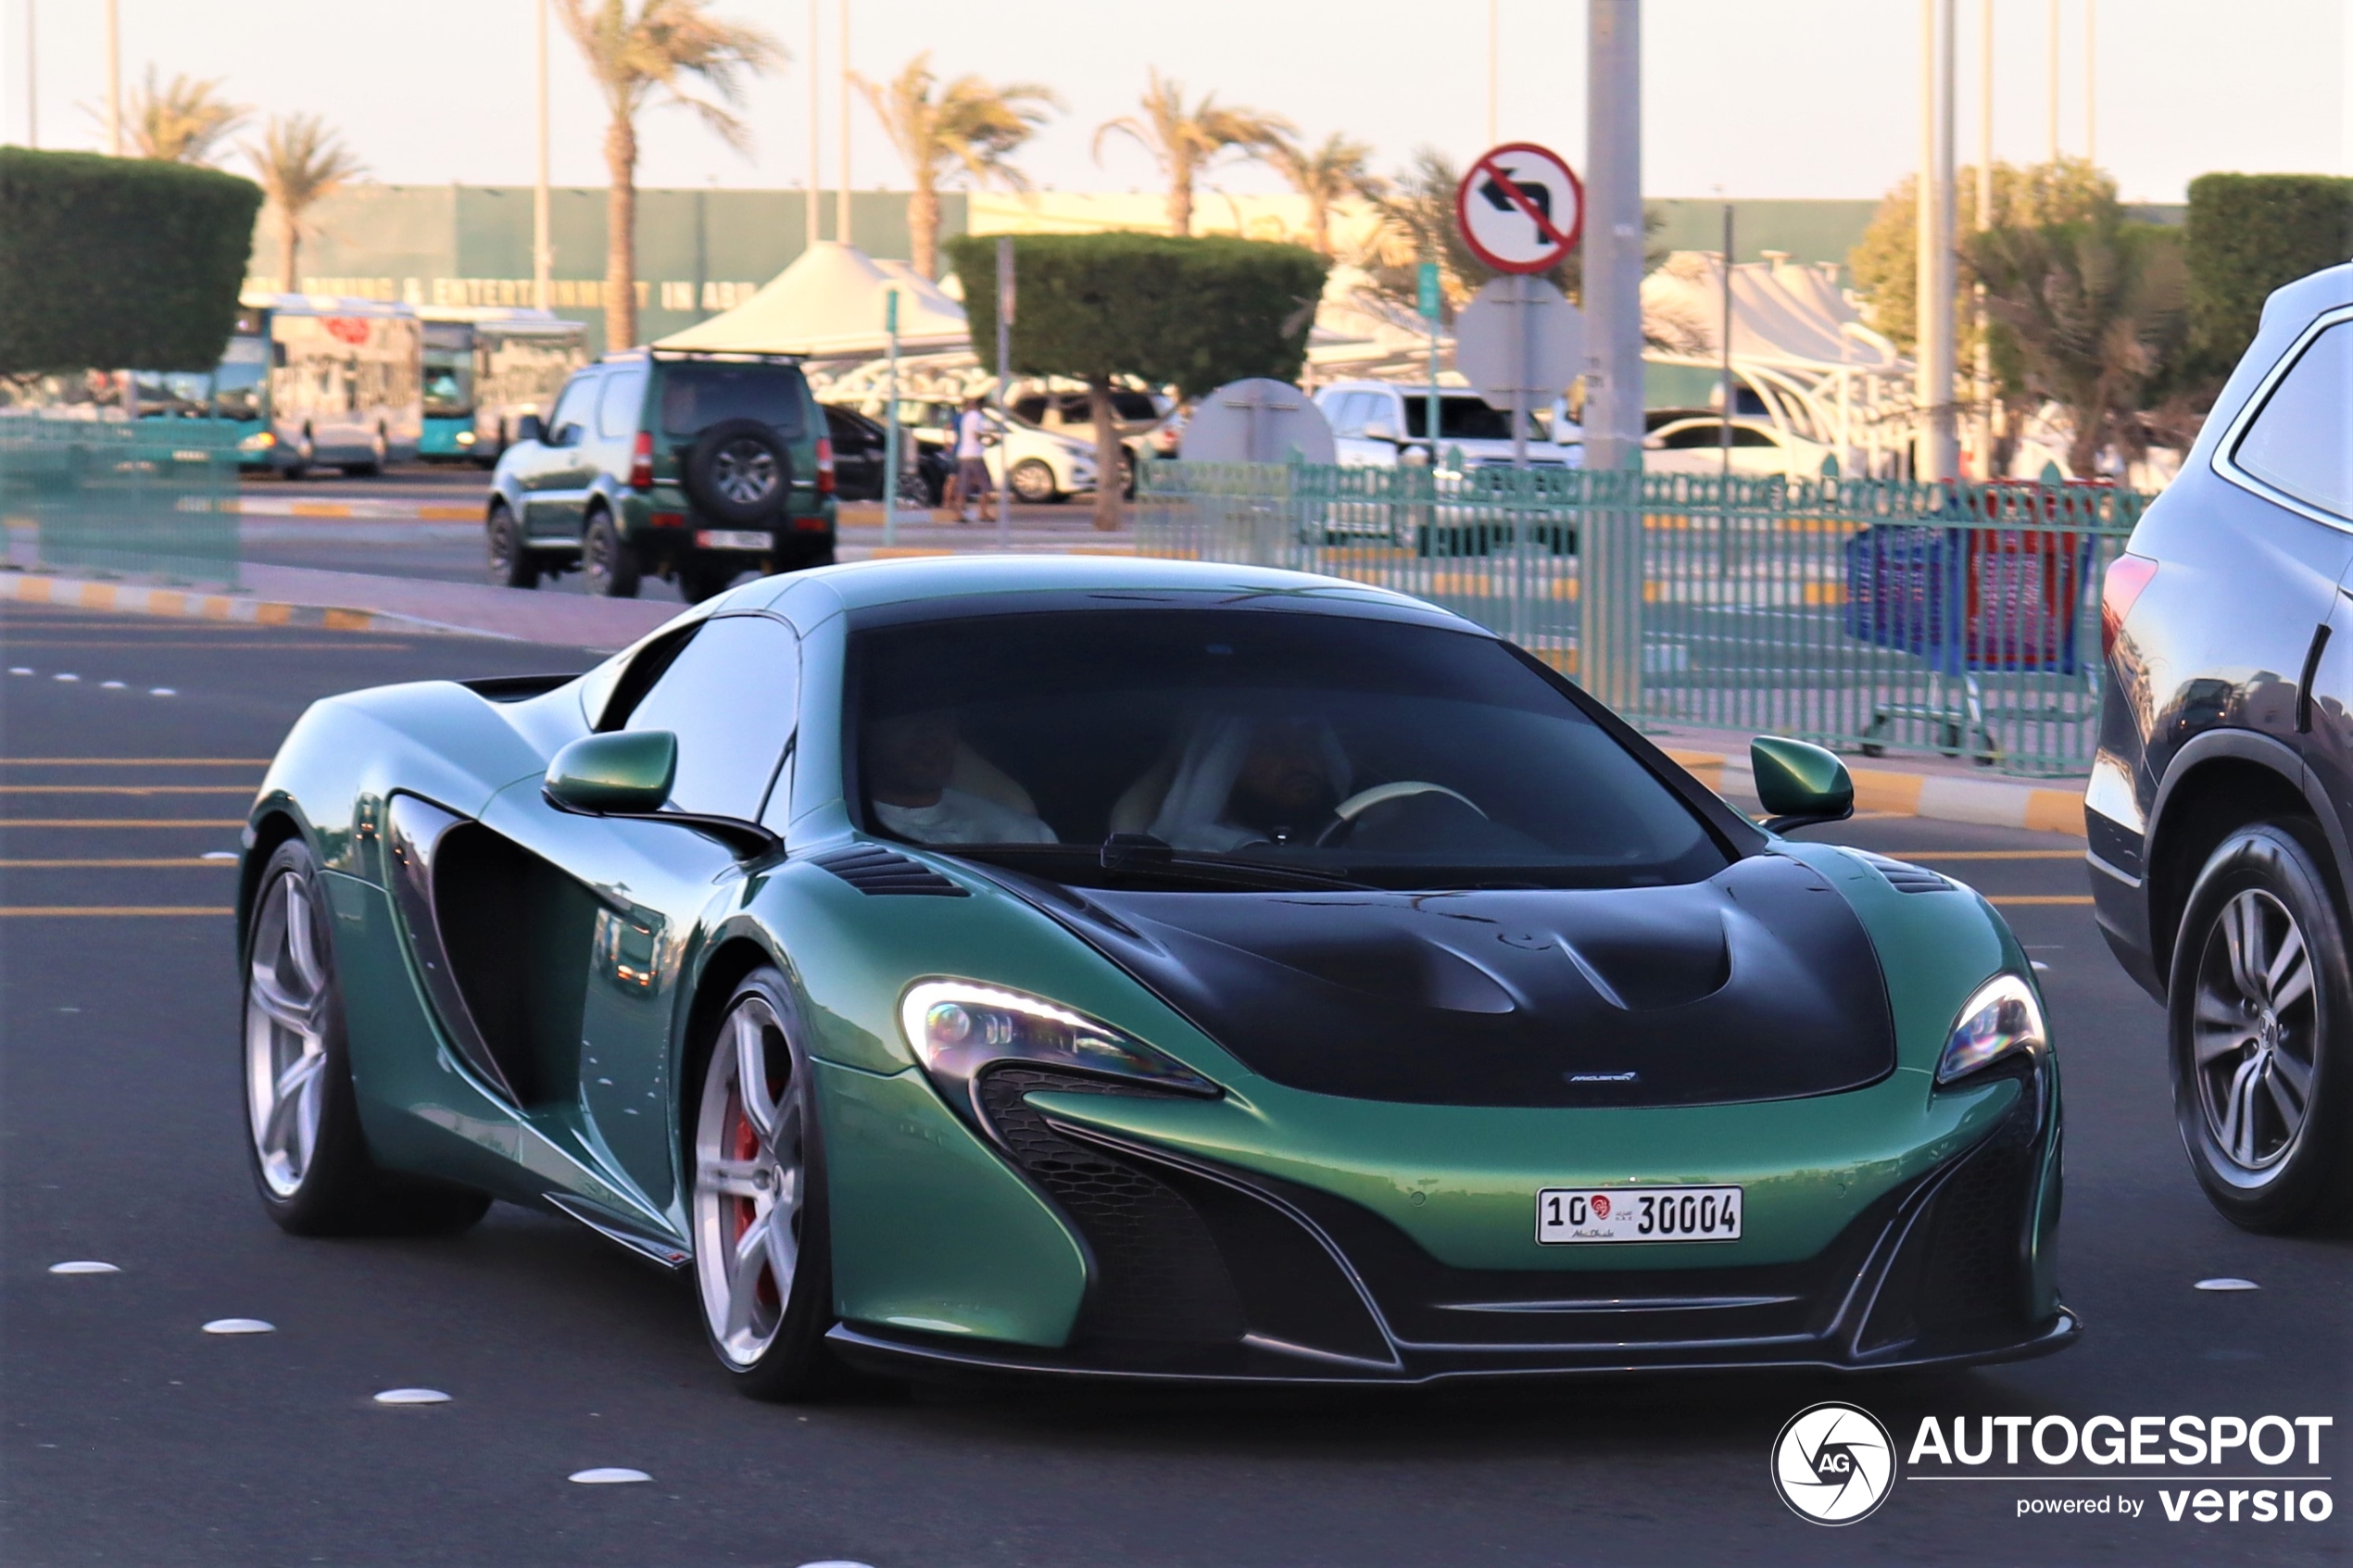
<point>607,562</point>
<point>308,1155</point>
<point>1032,481</point>
<point>762,1261</point>
<point>512,562</point>
<point>2258,1011</point>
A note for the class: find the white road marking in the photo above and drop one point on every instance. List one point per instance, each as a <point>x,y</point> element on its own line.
<point>412,1397</point>
<point>240,1325</point>
<point>84,1266</point>
<point>110,685</point>
<point>65,676</point>
<point>162,691</point>
<point>607,1475</point>
<point>19,669</point>
<point>2227,1283</point>
<point>217,855</point>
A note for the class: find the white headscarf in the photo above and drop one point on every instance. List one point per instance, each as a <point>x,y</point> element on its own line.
<point>1192,815</point>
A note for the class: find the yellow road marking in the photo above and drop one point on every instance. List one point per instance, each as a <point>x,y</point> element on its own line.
<point>125,789</point>
<point>135,761</point>
<point>121,823</point>
<point>1984,853</point>
<point>52,911</point>
<point>2040,898</point>
<point>135,860</point>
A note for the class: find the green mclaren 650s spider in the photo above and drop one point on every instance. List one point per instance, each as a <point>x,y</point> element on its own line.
<point>1143,970</point>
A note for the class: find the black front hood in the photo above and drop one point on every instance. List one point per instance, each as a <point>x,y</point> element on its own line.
<point>1760,983</point>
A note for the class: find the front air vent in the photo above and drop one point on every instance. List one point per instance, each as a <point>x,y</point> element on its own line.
<point>1904,877</point>
<point>881,872</point>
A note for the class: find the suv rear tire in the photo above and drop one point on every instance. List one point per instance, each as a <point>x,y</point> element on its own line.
<point>608,565</point>
<point>738,472</point>
<point>511,564</point>
<point>2259,1022</point>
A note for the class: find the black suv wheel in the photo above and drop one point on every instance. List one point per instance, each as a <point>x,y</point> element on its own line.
<point>2259,1011</point>
<point>510,562</point>
<point>608,565</point>
<point>738,472</point>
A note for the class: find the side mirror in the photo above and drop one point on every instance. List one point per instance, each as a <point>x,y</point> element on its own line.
<point>1799,784</point>
<point>1380,429</point>
<point>628,773</point>
<point>622,771</point>
<point>566,435</point>
<point>531,428</point>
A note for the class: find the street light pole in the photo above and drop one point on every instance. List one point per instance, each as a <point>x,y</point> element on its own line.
<point>1494,28</point>
<point>114,77</point>
<point>1988,415</point>
<point>1938,451</point>
<point>842,198</point>
<point>1610,551</point>
<point>542,252</point>
<point>2054,79</point>
<point>2091,81</point>
<point>32,82</point>
<point>815,162</point>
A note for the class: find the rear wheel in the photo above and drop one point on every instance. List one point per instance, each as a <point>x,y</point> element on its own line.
<point>762,1263</point>
<point>1032,481</point>
<point>609,564</point>
<point>308,1154</point>
<point>2260,1005</point>
<point>511,564</point>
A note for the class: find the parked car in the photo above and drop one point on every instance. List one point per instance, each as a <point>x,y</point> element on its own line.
<point>860,444</point>
<point>697,467</point>
<point>2221,795</point>
<point>1095,970</point>
<point>1380,424</point>
<point>1142,418</point>
<point>1035,465</point>
<point>1694,443</point>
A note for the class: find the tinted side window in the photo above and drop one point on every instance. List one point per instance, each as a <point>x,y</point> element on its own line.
<point>617,409</point>
<point>729,697</point>
<point>2299,442</point>
<point>573,408</point>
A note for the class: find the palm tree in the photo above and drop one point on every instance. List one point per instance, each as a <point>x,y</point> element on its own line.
<point>1325,175</point>
<point>1184,142</point>
<point>299,163</point>
<point>2096,314</point>
<point>968,126</point>
<point>185,122</point>
<point>635,53</point>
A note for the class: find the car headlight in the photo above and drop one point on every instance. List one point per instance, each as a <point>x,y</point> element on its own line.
<point>2000,1019</point>
<point>957,1027</point>
<point>259,441</point>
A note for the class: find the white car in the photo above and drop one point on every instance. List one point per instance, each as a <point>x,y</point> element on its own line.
<point>1760,450</point>
<point>1382,424</point>
<point>1035,465</point>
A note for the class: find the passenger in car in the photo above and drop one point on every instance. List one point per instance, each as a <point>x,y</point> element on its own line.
<point>908,761</point>
<point>1253,781</point>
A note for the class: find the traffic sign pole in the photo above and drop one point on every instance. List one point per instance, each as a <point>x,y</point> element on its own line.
<point>1431,303</point>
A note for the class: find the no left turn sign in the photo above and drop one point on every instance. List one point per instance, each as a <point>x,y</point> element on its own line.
<point>1521,207</point>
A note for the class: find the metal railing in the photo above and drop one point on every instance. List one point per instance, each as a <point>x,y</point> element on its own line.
<point>1867,614</point>
<point>147,498</point>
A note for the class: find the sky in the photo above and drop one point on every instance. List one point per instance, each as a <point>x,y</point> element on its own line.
<point>1786,98</point>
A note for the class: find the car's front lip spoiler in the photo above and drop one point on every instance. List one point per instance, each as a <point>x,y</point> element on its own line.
<point>888,1351</point>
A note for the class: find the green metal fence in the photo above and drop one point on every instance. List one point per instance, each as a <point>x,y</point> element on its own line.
<point>1868,614</point>
<point>148,499</point>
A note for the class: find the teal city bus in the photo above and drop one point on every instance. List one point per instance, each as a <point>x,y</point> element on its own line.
<point>307,382</point>
<point>484,368</point>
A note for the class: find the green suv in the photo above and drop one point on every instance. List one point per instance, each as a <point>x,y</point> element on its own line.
<point>695,467</point>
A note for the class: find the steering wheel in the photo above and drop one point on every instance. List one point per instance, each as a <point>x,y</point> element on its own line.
<point>1344,815</point>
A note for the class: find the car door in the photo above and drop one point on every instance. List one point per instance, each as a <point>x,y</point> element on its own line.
<point>1348,411</point>
<point>554,476</point>
<point>728,690</point>
<point>858,455</point>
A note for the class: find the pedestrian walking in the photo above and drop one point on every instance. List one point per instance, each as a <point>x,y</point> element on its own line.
<point>972,483</point>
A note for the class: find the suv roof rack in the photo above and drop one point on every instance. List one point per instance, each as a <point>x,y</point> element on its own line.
<point>744,357</point>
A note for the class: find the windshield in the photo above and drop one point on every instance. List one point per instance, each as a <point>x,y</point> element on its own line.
<point>1464,419</point>
<point>449,376</point>
<point>1367,751</point>
<point>695,398</point>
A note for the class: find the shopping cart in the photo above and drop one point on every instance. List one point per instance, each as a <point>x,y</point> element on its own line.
<point>1970,600</point>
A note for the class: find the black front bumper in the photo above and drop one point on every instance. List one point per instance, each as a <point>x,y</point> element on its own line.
<point>1203,1274</point>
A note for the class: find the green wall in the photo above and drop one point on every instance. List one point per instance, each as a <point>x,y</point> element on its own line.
<point>698,251</point>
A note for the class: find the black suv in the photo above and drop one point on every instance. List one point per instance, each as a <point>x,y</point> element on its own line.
<point>2221,794</point>
<point>697,467</point>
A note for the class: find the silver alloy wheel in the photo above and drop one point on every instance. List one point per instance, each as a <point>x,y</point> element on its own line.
<point>749,1179</point>
<point>744,471</point>
<point>2254,1031</point>
<point>285,1035</point>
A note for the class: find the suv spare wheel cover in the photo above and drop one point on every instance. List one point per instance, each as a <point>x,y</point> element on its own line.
<point>738,471</point>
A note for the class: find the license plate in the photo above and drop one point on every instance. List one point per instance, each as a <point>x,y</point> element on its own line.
<point>732,539</point>
<point>1575,1214</point>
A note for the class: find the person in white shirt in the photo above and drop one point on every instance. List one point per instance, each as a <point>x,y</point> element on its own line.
<point>907,763</point>
<point>971,464</point>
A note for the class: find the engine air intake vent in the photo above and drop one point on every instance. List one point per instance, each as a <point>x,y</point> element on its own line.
<point>1904,877</point>
<point>881,872</point>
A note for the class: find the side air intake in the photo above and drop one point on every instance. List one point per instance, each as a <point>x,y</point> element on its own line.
<point>881,874</point>
<point>1904,877</point>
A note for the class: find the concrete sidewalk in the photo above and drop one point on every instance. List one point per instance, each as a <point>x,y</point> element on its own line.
<point>1939,788</point>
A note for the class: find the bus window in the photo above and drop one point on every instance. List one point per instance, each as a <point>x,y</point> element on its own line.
<point>448,369</point>
<point>236,385</point>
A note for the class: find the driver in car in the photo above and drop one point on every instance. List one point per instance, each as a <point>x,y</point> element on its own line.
<point>907,761</point>
<point>1253,781</point>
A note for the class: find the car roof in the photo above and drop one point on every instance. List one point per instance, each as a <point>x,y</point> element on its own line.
<point>815,593</point>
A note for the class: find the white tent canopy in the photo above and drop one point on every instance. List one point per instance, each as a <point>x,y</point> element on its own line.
<point>828,305</point>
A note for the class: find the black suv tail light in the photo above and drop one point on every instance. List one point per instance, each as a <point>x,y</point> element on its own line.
<point>641,463</point>
<point>824,465</point>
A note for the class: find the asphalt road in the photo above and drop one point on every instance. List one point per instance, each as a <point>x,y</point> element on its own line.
<point>128,1437</point>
